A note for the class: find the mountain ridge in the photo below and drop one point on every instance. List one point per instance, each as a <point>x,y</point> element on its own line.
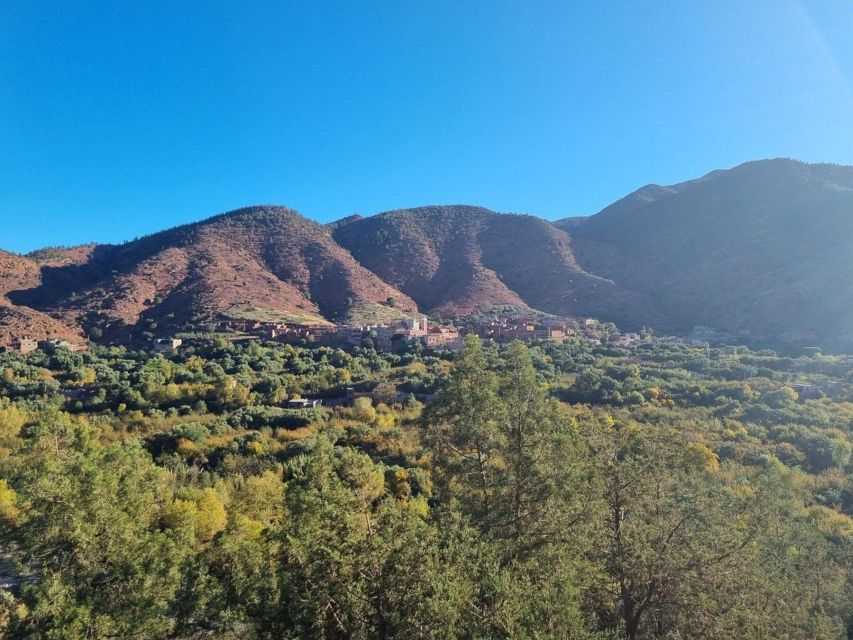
<point>761,248</point>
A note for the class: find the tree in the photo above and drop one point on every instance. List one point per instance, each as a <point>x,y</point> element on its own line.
<point>91,532</point>
<point>683,543</point>
<point>545,484</point>
<point>461,427</point>
<point>357,563</point>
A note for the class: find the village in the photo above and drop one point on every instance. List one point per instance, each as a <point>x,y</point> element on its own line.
<point>27,345</point>
<point>397,335</point>
<point>400,334</point>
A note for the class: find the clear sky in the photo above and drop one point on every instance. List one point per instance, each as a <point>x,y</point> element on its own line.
<point>120,118</point>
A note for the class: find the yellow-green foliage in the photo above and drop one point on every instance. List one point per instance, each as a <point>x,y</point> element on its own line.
<point>700,456</point>
<point>258,497</point>
<point>200,512</point>
<point>8,504</point>
<point>211,515</point>
<point>12,418</point>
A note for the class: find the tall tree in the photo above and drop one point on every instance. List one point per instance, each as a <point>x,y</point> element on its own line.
<point>461,428</point>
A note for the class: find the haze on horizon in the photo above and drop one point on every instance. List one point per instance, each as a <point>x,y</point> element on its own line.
<point>120,121</point>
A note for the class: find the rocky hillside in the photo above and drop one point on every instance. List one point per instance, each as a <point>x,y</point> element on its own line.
<point>459,259</point>
<point>16,322</point>
<point>262,262</point>
<point>766,248</point>
<point>763,249</point>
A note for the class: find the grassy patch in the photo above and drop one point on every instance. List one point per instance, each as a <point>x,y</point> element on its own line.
<point>259,314</point>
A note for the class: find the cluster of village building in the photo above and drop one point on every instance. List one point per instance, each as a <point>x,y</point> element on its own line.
<point>399,334</point>
<point>395,335</point>
<point>28,345</point>
<point>507,326</point>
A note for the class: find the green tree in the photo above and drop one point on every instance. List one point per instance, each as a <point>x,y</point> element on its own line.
<point>91,533</point>
<point>461,427</point>
<point>357,563</point>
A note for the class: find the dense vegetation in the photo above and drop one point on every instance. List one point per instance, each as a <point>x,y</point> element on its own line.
<point>545,491</point>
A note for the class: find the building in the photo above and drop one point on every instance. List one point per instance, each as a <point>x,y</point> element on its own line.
<point>625,340</point>
<point>411,326</point>
<point>350,334</point>
<point>53,345</point>
<point>22,345</point>
<point>815,390</point>
<point>439,336</point>
<point>303,403</point>
<point>167,345</point>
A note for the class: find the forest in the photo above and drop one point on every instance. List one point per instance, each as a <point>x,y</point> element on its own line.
<point>533,490</point>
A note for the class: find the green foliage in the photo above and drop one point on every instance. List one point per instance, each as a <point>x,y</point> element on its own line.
<point>90,528</point>
<point>545,491</point>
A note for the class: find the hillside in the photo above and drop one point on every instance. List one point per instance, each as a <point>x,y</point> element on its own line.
<point>764,248</point>
<point>268,261</point>
<point>16,273</point>
<point>459,259</point>
<point>62,256</point>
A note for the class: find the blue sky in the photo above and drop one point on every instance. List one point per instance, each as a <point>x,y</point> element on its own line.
<point>121,118</point>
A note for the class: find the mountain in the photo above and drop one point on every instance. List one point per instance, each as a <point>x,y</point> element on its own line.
<point>637,199</point>
<point>764,248</point>
<point>458,259</point>
<point>266,263</point>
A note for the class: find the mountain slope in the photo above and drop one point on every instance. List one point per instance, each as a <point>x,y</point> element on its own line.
<point>17,272</point>
<point>267,261</point>
<point>458,259</point>
<point>766,247</point>
<point>16,322</point>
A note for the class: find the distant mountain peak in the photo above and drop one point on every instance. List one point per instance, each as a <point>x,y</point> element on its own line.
<point>355,217</point>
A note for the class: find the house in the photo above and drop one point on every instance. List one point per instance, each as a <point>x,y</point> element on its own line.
<point>167,345</point>
<point>73,393</point>
<point>812,391</point>
<point>23,346</point>
<point>411,326</point>
<point>625,340</point>
<point>454,345</point>
<point>303,403</point>
<point>350,334</point>
<point>439,336</point>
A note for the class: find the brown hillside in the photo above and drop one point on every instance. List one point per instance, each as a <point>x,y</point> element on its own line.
<point>265,260</point>
<point>62,256</point>
<point>16,273</point>
<point>457,259</point>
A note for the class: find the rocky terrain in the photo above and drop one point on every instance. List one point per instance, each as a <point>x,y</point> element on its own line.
<point>765,248</point>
